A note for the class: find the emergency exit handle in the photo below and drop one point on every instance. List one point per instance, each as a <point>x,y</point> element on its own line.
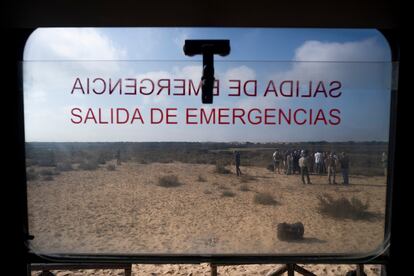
<point>207,48</point>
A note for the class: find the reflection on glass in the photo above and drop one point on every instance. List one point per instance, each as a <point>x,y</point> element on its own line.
<point>291,158</point>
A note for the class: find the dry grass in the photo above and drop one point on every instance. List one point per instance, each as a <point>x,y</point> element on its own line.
<point>111,167</point>
<point>228,194</point>
<point>264,199</point>
<point>48,178</point>
<point>31,174</point>
<point>169,181</point>
<point>64,167</point>
<point>88,165</point>
<point>244,188</point>
<point>344,208</point>
<point>221,169</point>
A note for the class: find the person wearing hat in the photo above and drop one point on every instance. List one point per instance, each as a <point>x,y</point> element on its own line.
<point>304,166</point>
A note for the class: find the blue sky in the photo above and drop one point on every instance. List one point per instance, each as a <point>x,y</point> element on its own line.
<point>360,59</point>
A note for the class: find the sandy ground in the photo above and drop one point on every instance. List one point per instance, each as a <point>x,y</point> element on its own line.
<point>125,211</point>
<point>204,269</point>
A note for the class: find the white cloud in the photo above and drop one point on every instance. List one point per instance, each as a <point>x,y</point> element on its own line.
<point>358,65</point>
<point>71,44</point>
<point>360,51</point>
<point>243,73</point>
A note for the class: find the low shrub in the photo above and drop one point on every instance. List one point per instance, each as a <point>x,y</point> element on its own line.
<point>344,208</point>
<point>264,199</point>
<point>169,181</point>
<point>228,194</point>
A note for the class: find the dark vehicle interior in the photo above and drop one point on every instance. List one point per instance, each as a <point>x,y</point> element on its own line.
<point>21,18</point>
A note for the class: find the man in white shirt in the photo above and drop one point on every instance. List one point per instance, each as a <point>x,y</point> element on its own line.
<point>304,166</point>
<point>318,162</point>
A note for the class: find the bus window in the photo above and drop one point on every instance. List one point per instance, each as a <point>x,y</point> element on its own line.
<point>291,158</point>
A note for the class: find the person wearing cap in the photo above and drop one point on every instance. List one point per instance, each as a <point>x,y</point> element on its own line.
<point>304,166</point>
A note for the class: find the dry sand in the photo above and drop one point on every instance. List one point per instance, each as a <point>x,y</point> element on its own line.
<point>204,269</point>
<point>125,211</point>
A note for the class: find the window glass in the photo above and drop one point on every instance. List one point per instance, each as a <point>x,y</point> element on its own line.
<point>123,158</point>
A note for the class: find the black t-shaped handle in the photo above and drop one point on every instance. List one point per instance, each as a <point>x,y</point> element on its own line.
<point>207,48</point>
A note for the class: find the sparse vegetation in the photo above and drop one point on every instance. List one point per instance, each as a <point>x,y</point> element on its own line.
<point>201,179</point>
<point>244,188</point>
<point>247,178</point>
<point>31,174</point>
<point>365,157</point>
<point>169,181</point>
<point>88,165</point>
<point>64,167</point>
<point>228,194</point>
<point>111,167</point>
<point>223,187</point>
<point>207,192</point>
<point>343,208</point>
<point>264,199</point>
<point>221,169</point>
<point>49,172</point>
<point>48,178</point>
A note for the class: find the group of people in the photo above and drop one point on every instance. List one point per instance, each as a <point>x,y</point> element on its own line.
<point>301,162</point>
<point>319,163</point>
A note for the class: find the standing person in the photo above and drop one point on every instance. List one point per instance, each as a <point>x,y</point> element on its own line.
<point>331,166</point>
<point>311,162</point>
<point>296,161</point>
<point>384,161</point>
<point>289,162</point>
<point>304,166</point>
<point>276,161</point>
<point>318,163</point>
<point>237,162</point>
<point>344,161</point>
<point>118,157</point>
<point>324,166</point>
